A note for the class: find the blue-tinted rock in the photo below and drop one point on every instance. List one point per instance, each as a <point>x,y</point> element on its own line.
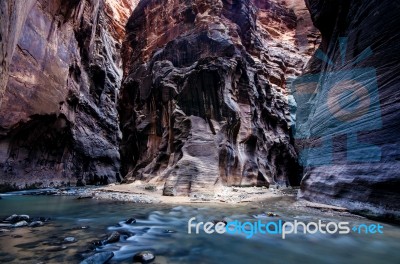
<point>99,258</point>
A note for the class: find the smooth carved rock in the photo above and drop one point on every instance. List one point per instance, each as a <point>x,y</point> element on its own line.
<point>359,165</point>
<point>61,69</point>
<point>203,101</point>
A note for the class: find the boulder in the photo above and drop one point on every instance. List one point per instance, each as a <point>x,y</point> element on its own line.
<point>98,258</point>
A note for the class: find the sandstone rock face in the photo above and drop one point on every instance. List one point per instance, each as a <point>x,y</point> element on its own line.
<point>60,75</point>
<point>354,145</point>
<point>203,101</point>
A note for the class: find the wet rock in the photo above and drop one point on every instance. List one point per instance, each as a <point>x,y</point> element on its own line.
<point>97,243</point>
<point>114,237</point>
<point>99,258</point>
<point>270,214</point>
<point>20,224</point>
<point>144,257</point>
<point>130,221</point>
<point>70,239</point>
<point>5,225</point>
<point>36,224</point>
<point>17,218</point>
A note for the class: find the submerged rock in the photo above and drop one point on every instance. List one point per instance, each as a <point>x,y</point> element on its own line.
<point>167,231</point>
<point>70,239</point>
<point>144,257</point>
<point>99,258</point>
<point>56,248</point>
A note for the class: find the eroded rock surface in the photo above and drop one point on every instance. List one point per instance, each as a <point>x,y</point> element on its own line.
<point>203,101</point>
<point>357,164</point>
<point>60,75</point>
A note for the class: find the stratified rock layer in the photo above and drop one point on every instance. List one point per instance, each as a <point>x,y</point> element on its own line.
<point>60,75</point>
<point>203,101</point>
<point>359,166</point>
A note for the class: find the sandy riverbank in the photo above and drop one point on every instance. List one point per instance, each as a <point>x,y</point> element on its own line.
<point>145,193</point>
<point>139,192</point>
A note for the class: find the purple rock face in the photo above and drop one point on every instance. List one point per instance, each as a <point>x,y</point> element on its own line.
<point>348,120</point>
<point>203,101</point>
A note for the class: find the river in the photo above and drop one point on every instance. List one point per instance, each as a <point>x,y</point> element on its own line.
<point>163,229</point>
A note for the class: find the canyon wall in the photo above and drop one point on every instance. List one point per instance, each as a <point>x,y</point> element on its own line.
<point>204,101</point>
<point>349,118</point>
<point>60,74</point>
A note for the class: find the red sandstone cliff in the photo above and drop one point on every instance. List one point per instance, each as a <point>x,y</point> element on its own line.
<point>60,75</point>
<point>203,101</point>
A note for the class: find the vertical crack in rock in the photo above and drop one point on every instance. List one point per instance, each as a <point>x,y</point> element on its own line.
<point>60,74</point>
<point>203,101</point>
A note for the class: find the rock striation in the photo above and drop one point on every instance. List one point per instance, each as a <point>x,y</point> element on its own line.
<point>60,74</point>
<point>354,146</point>
<point>203,100</point>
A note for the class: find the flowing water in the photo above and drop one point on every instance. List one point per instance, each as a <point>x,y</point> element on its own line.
<point>163,230</point>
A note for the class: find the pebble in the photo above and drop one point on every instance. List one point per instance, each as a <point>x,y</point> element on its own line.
<point>144,257</point>
<point>70,239</point>
<point>270,214</point>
